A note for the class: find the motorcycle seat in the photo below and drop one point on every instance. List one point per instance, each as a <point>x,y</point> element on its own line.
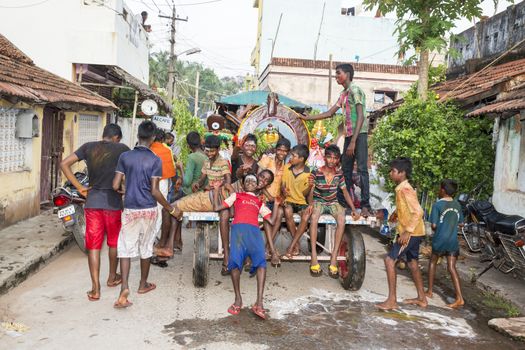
<point>508,224</point>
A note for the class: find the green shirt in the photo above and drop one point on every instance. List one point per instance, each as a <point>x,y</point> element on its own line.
<point>355,97</point>
<point>193,170</point>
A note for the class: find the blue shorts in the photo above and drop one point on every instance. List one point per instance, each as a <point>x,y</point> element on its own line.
<point>411,251</point>
<point>246,241</point>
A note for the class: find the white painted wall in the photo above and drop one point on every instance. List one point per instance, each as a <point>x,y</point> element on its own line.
<point>372,39</point>
<point>509,174</point>
<point>57,33</point>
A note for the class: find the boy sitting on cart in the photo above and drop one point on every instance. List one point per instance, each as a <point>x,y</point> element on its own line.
<point>325,182</point>
<point>215,172</point>
<point>247,240</point>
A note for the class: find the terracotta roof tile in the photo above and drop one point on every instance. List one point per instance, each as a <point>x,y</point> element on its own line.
<point>507,81</point>
<point>21,78</point>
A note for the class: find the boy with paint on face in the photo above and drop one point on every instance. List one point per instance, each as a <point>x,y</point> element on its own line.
<point>445,217</point>
<point>215,171</point>
<point>325,182</point>
<point>411,231</point>
<point>247,240</point>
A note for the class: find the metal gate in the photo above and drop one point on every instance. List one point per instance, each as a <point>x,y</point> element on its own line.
<point>52,148</point>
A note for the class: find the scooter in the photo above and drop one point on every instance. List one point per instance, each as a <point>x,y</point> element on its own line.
<point>500,238</point>
<point>69,207</point>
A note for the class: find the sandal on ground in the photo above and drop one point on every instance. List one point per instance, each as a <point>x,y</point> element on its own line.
<point>91,296</point>
<point>158,262</point>
<point>234,309</point>
<point>333,271</point>
<point>315,270</point>
<point>148,288</point>
<point>259,311</point>
<point>224,270</point>
<point>115,282</point>
<point>118,305</point>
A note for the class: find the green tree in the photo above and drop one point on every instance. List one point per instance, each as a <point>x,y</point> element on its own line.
<point>211,87</point>
<point>184,123</point>
<point>423,26</point>
<point>441,142</point>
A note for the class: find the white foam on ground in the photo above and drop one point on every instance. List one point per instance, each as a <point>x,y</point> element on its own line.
<point>455,327</point>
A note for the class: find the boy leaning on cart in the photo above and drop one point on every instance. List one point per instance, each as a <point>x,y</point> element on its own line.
<point>247,240</point>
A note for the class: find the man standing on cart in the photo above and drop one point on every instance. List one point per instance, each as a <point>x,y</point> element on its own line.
<point>353,104</point>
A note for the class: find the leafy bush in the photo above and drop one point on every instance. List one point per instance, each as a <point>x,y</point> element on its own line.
<point>441,142</point>
<point>184,123</point>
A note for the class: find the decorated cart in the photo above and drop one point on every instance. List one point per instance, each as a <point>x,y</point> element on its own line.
<point>272,120</point>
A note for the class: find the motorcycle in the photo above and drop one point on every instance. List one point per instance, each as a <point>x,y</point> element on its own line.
<point>69,207</point>
<point>500,238</point>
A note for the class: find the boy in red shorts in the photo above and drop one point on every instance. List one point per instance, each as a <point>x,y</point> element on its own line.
<point>247,240</point>
<point>103,206</point>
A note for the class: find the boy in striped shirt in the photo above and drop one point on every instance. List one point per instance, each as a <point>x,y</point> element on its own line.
<point>325,182</point>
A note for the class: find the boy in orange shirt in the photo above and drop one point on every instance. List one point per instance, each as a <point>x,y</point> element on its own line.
<point>410,231</point>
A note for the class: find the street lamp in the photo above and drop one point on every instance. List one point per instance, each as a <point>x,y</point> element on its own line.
<point>189,52</point>
<point>171,71</point>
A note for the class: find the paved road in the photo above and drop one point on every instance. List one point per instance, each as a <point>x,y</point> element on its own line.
<point>310,313</point>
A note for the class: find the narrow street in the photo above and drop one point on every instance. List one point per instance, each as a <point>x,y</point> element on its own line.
<point>305,312</point>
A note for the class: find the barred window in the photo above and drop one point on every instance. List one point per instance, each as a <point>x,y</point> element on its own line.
<point>89,129</point>
<point>13,151</point>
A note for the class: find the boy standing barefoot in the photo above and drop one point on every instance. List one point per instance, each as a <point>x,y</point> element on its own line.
<point>410,229</point>
<point>142,170</point>
<point>445,216</point>
<point>247,240</point>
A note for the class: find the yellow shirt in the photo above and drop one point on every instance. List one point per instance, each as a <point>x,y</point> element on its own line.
<point>296,185</point>
<point>409,212</point>
<point>268,162</point>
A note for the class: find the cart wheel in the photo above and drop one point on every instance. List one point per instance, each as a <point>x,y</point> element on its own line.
<point>352,270</point>
<point>201,255</point>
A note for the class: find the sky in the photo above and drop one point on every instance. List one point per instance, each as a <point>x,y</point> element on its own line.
<point>226,30</point>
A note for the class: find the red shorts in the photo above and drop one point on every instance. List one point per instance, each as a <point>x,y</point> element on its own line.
<point>100,221</point>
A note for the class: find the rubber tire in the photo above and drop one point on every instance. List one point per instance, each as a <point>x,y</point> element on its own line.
<point>201,255</point>
<point>79,228</point>
<point>355,259</point>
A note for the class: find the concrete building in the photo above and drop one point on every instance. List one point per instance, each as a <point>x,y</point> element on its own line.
<point>99,44</point>
<point>496,89</point>
<point>296,38</point>
<point>41,118</point>
<point>308,81</point>
<point>62,33</point>
<point>312,30</point>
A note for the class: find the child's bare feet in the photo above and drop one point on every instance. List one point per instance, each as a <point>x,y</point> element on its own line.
<point>457,304</point>
<point>365,212</point>
<point>93,295</point>
<point>114,281</point>
<point>122,301</point>
<point>429,294</point>
<point>415,301</point>
<point>387,305</point>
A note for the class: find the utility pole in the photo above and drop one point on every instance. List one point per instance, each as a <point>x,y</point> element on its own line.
<point>173,57</point>
<point>197,78</point>
<point>329,81</point>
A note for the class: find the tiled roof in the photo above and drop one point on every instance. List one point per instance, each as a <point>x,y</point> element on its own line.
<point>506,82</point>
<point>20,77</point>
<point>358,67</point>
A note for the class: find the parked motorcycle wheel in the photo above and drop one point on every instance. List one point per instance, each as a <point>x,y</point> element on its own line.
<point>79,229</point>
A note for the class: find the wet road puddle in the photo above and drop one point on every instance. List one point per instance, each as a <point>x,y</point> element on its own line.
<point>325,320</point>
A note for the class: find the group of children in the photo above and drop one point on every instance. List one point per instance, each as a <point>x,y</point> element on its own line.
<point>273,188</point>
